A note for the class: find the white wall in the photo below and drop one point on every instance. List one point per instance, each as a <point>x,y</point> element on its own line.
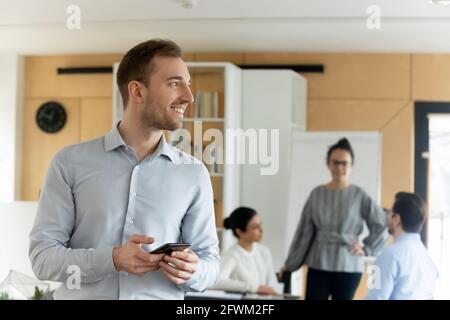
<point>16,220</point>
<point>11,82</point>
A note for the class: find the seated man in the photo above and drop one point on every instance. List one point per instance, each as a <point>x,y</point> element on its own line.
<point>405,270</point>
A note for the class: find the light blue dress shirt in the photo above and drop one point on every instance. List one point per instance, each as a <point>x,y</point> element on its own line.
<point>405,270</point>
<point>97,194</point>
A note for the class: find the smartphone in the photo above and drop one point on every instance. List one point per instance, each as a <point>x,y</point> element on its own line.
<point>168,248</point>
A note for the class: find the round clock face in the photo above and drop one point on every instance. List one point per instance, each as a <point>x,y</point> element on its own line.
<point>51,117</point>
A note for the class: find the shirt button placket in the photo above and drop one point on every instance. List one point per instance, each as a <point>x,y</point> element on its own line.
<point>131,202</point>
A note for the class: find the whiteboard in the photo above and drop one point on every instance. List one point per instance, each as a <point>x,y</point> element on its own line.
<point>308,169</point>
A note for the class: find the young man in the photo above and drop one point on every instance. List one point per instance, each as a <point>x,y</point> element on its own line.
<point>107,202</point>
<point>405,270</point>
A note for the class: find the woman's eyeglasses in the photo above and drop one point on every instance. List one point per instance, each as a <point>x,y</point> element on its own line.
<point>337,163</point>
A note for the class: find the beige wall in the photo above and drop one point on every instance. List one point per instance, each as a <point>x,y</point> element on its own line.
<point>356,92</point>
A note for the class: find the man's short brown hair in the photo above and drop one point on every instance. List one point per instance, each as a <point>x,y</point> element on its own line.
<point>137,64</point>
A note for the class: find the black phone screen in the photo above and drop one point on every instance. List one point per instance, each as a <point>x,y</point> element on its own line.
<point>168,248</point>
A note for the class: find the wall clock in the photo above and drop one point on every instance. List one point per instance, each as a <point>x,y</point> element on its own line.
<point>51,117</point>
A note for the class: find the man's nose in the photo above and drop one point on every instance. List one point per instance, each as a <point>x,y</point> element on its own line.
<point>187,95</point>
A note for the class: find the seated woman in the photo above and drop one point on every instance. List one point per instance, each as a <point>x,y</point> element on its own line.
<point>246,266</point>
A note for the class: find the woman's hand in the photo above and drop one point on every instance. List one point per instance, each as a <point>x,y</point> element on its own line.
<point>266,290</point>
<point>356,249</point>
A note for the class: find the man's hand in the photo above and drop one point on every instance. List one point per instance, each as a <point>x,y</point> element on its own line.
<point>356,249</point>
<point>132,258</point>
<point>180,266</point>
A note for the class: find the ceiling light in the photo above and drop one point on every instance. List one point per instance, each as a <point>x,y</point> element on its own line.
<point>442,2</point>
<point>188,4</point>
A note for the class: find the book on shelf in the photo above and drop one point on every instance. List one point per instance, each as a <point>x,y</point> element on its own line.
<point>215,104</point>
<point>206,104</point>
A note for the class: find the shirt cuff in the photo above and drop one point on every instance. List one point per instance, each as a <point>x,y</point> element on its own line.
<point>102,262</point>
<point>189,285</point>
<point>253,288</point>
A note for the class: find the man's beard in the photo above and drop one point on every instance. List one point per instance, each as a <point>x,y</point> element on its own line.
<point>156,120</point>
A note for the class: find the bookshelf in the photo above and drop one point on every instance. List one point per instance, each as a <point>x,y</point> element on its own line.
<point>216,87</point>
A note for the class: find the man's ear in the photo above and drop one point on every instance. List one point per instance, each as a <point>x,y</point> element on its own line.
<point>136,92</point>
<point>397,220</point>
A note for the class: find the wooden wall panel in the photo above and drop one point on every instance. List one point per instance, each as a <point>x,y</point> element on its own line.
<point>95,118</point>
<point>42,80</point>
<point>398,156</point>
<point>350,115</point>
<point>349,76</point>
<point>38,147</point>
<point>431,77</point>
<point>98,85</point>
<point>233,57</point>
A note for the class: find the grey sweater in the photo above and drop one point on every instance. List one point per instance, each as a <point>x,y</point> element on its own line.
<point>330,221</point>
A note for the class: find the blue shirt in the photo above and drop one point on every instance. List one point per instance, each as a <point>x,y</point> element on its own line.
<point>97,194</point>
<point>405,271</point>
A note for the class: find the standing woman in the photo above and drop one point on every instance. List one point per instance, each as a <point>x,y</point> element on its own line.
<point>332,220</point>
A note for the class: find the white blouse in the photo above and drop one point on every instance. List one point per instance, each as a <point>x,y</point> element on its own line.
<point>245,271</point>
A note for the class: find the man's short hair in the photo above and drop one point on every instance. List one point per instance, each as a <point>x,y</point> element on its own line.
<point>137,64</point>
<point>413,196</point>
<point>411,209</point>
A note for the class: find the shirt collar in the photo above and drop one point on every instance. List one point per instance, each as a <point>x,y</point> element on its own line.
<point>166,149</point>
<point>408,236</point>
<point>113,140</point>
